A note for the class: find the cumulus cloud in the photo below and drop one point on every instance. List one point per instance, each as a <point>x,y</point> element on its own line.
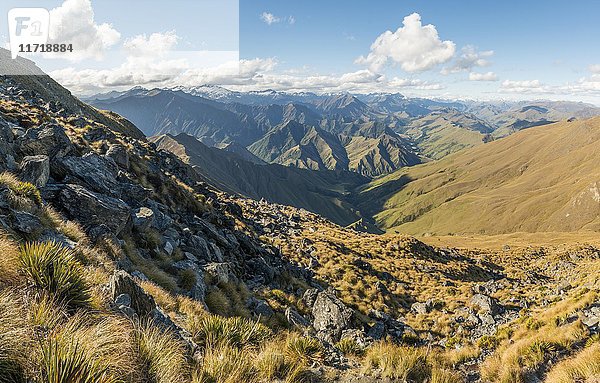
<point>73,23</point>
<point>488,76</point>
<point>415,47</point>
<point>269,18</point>
<point>595,68</point>
<point>469,59</point>
<point>155,44</point>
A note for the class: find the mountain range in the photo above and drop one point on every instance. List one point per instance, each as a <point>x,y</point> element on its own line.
<point>373,134</point>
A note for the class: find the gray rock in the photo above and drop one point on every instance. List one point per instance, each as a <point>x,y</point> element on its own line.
<point>309,297</point>
<point>47,139</point>
<point>377,331</point>
<point>295,318</point>
<point>123,300</point>
<point>94,171</point>
<point>331,316</point>
<point>168,247</point>
<point>119,155</point>
<point>122,283</point>
<point>26,223</point>
<point>486,305</point>
<point>142,218</point>
<point>260,307</point>
<point>35,170</point>
<point>139,275</point>
<point>92,209</point>
<point>219,273</point>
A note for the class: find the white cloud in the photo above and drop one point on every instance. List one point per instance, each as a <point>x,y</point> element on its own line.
<point>469,59</point>
<point>489,76</point>
<point>73,23</point>
<point>595,68</point>
<point>291,20</point>
<point>413,46</point>
<point>269,18</point>
<point>525,86</point>
<point>155,44</point>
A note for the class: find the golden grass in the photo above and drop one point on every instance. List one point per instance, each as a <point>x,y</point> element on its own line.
<point>582,367</point>
<point>162,356</point>
<point>397,362</point>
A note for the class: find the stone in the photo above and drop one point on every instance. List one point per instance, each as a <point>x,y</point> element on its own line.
<point>486,304</point>
<point>295,318</point>
<point>93,171</point>
<point>168,248</point>
<point>35,170</point>
<point>218,273</point>
<point>310,296</point>
<point>331,316</point>
<point>142,218</point>
<point>377,331</point>
<point>47,139</point>
<point>93,209</point>
<point>26,223</point>
<point>123,300</point>
<point>121,283</point>
<point>119,155</point>
<point>422,307</point>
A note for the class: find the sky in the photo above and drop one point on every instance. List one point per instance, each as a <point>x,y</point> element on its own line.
<point>441,49</point>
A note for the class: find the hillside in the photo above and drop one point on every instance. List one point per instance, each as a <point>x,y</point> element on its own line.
<point>539,179</point>
<point>322,192</point>
<point>121,263</point>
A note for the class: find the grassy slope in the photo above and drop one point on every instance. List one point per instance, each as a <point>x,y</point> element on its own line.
<point>541,179</point>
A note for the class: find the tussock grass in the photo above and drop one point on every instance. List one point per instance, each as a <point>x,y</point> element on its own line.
<point>225,364</point>
<point>15,339</point>
<point>397,362</point>
<point>582,367</point>
<point>54,269</point>
<point>9,262</point>
<point>163,357</point>
<point>213,331</point>
<point>20,189</point>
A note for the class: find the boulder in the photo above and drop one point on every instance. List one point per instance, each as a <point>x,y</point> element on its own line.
<point>260,307</point>
<point>35,170</point>
<point>331,316</point>
<point>95,172</point>
<point>142,218</point>
<point>295,318</point>
<point>486,304</point>
<point>121,283</point>
<point>422,307</point>
<point>93,209</point>
<point>309,297</point>
<point>219,273</point>
<point>47,139</point>
<point>26,223</point>
<point>119,155</point>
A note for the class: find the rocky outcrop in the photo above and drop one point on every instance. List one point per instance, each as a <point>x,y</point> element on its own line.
<point>331,316</point>
<point>35,170</point>
<point>93,209</point>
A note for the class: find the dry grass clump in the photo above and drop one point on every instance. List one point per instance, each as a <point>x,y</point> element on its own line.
<point>20,190</point>
<point>536,341</point>
<point>85,350</point>
<point>15,339</point>
<point>583,367</point>
<point>9,262</point>
<point>391,361</point>
<point>225,364</point>
<point>54,269</point>
<point>162,356</point>
<point>212,331</point>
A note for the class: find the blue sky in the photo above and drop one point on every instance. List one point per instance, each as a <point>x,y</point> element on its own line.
<point>463,49</point>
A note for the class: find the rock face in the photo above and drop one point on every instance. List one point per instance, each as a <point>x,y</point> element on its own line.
<point>47,139</point>
<point>93,209</point>
<point>35,170</point>
<point>331,316</point>
<point>119,155</point>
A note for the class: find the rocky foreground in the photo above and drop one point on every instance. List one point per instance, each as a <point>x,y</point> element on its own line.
<point>119,264</point>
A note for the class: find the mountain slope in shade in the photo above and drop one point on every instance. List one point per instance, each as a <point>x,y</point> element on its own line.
<point>306,147</point>
<point>541,179</point>
<point>323,192</point>
<point>159,112</point>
